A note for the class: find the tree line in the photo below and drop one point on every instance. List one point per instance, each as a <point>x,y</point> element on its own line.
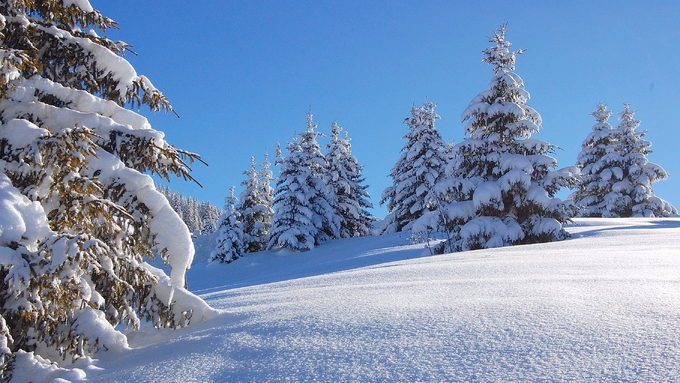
<point>201,217</point>
<point>497,187</point>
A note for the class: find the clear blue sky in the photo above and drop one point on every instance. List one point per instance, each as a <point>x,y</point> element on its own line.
<point>242,74</point>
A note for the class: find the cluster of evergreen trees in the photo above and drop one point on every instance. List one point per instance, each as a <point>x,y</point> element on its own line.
<point>318,196</point>
<point>498,186</point>
<point>616,177</point>
<point>200,217</point>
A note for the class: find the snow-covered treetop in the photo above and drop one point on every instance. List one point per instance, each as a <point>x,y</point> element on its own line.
<point>278,154</point>
<point>501,113</point>
<point>231,200</point>
<point>251,180</point>
<point>310,145</point>
<point>335,131</point>
<point>500,55</point>
<point>338,145</point>
<point>250,193</point>
<point>266,165</point>
<point>627,118</point>
<point>631,142</point>
<point>602,115</point>
<point>595,145</point>
<point>423,117</point>
<point>265,176</point>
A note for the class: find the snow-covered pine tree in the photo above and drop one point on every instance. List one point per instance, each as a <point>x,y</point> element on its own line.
<point>504,185</point>
<point>254,211</point>
<point>265,179</point>
<point>321,197</point>
<point>278,155</point>
<point>632,175</point>
<point>346,182</point>
<point>229,244</point>
<point>419,168</point>
<point>293,227</point>
<point>78,216</point>
<point>597,174</point>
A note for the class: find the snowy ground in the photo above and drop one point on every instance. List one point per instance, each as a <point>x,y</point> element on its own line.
<point>602,306</point>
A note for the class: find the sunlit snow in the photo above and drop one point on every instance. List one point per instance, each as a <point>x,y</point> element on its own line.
<point>604,305</point>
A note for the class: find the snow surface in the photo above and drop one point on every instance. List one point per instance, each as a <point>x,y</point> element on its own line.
<point>604,305</point>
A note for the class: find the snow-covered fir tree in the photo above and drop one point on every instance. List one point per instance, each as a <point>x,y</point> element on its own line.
<point>293,224</point>
<point>419,168</point>
<point>278,155</point>
<point>503,186</point>
<point>631,175</point>
<point>597,173</point>
<point>346,182</point>
<point>265,179</point>
<point>321,197</point>
<point>78,216</point>
<point>254,211</point>
<point>303,208</point>
<point>229,244</point>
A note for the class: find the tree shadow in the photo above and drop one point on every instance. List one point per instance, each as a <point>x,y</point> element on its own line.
<point>278,266</point>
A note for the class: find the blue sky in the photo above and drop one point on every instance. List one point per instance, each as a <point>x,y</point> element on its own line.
<point>243,74</point>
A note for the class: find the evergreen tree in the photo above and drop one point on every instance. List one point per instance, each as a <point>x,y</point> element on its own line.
<point>597,175</point>
<point>265,178</point>
<point>419,168</point>
<point>229,242</point>
<point>504,187</point>
<point>293,224</point>
<point>320,197</point>
<point>278,155</point>
<point>345,181</point>
<point>630,192</point>
<point>78,216</point>
<point>254,213</point>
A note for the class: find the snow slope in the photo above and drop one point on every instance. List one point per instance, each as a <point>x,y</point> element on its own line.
<point>602,306</point>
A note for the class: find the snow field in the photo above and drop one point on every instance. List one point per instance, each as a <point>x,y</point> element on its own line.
<point>604,305</point>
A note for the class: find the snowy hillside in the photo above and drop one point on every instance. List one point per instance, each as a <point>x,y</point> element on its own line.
<point>604,305</point>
